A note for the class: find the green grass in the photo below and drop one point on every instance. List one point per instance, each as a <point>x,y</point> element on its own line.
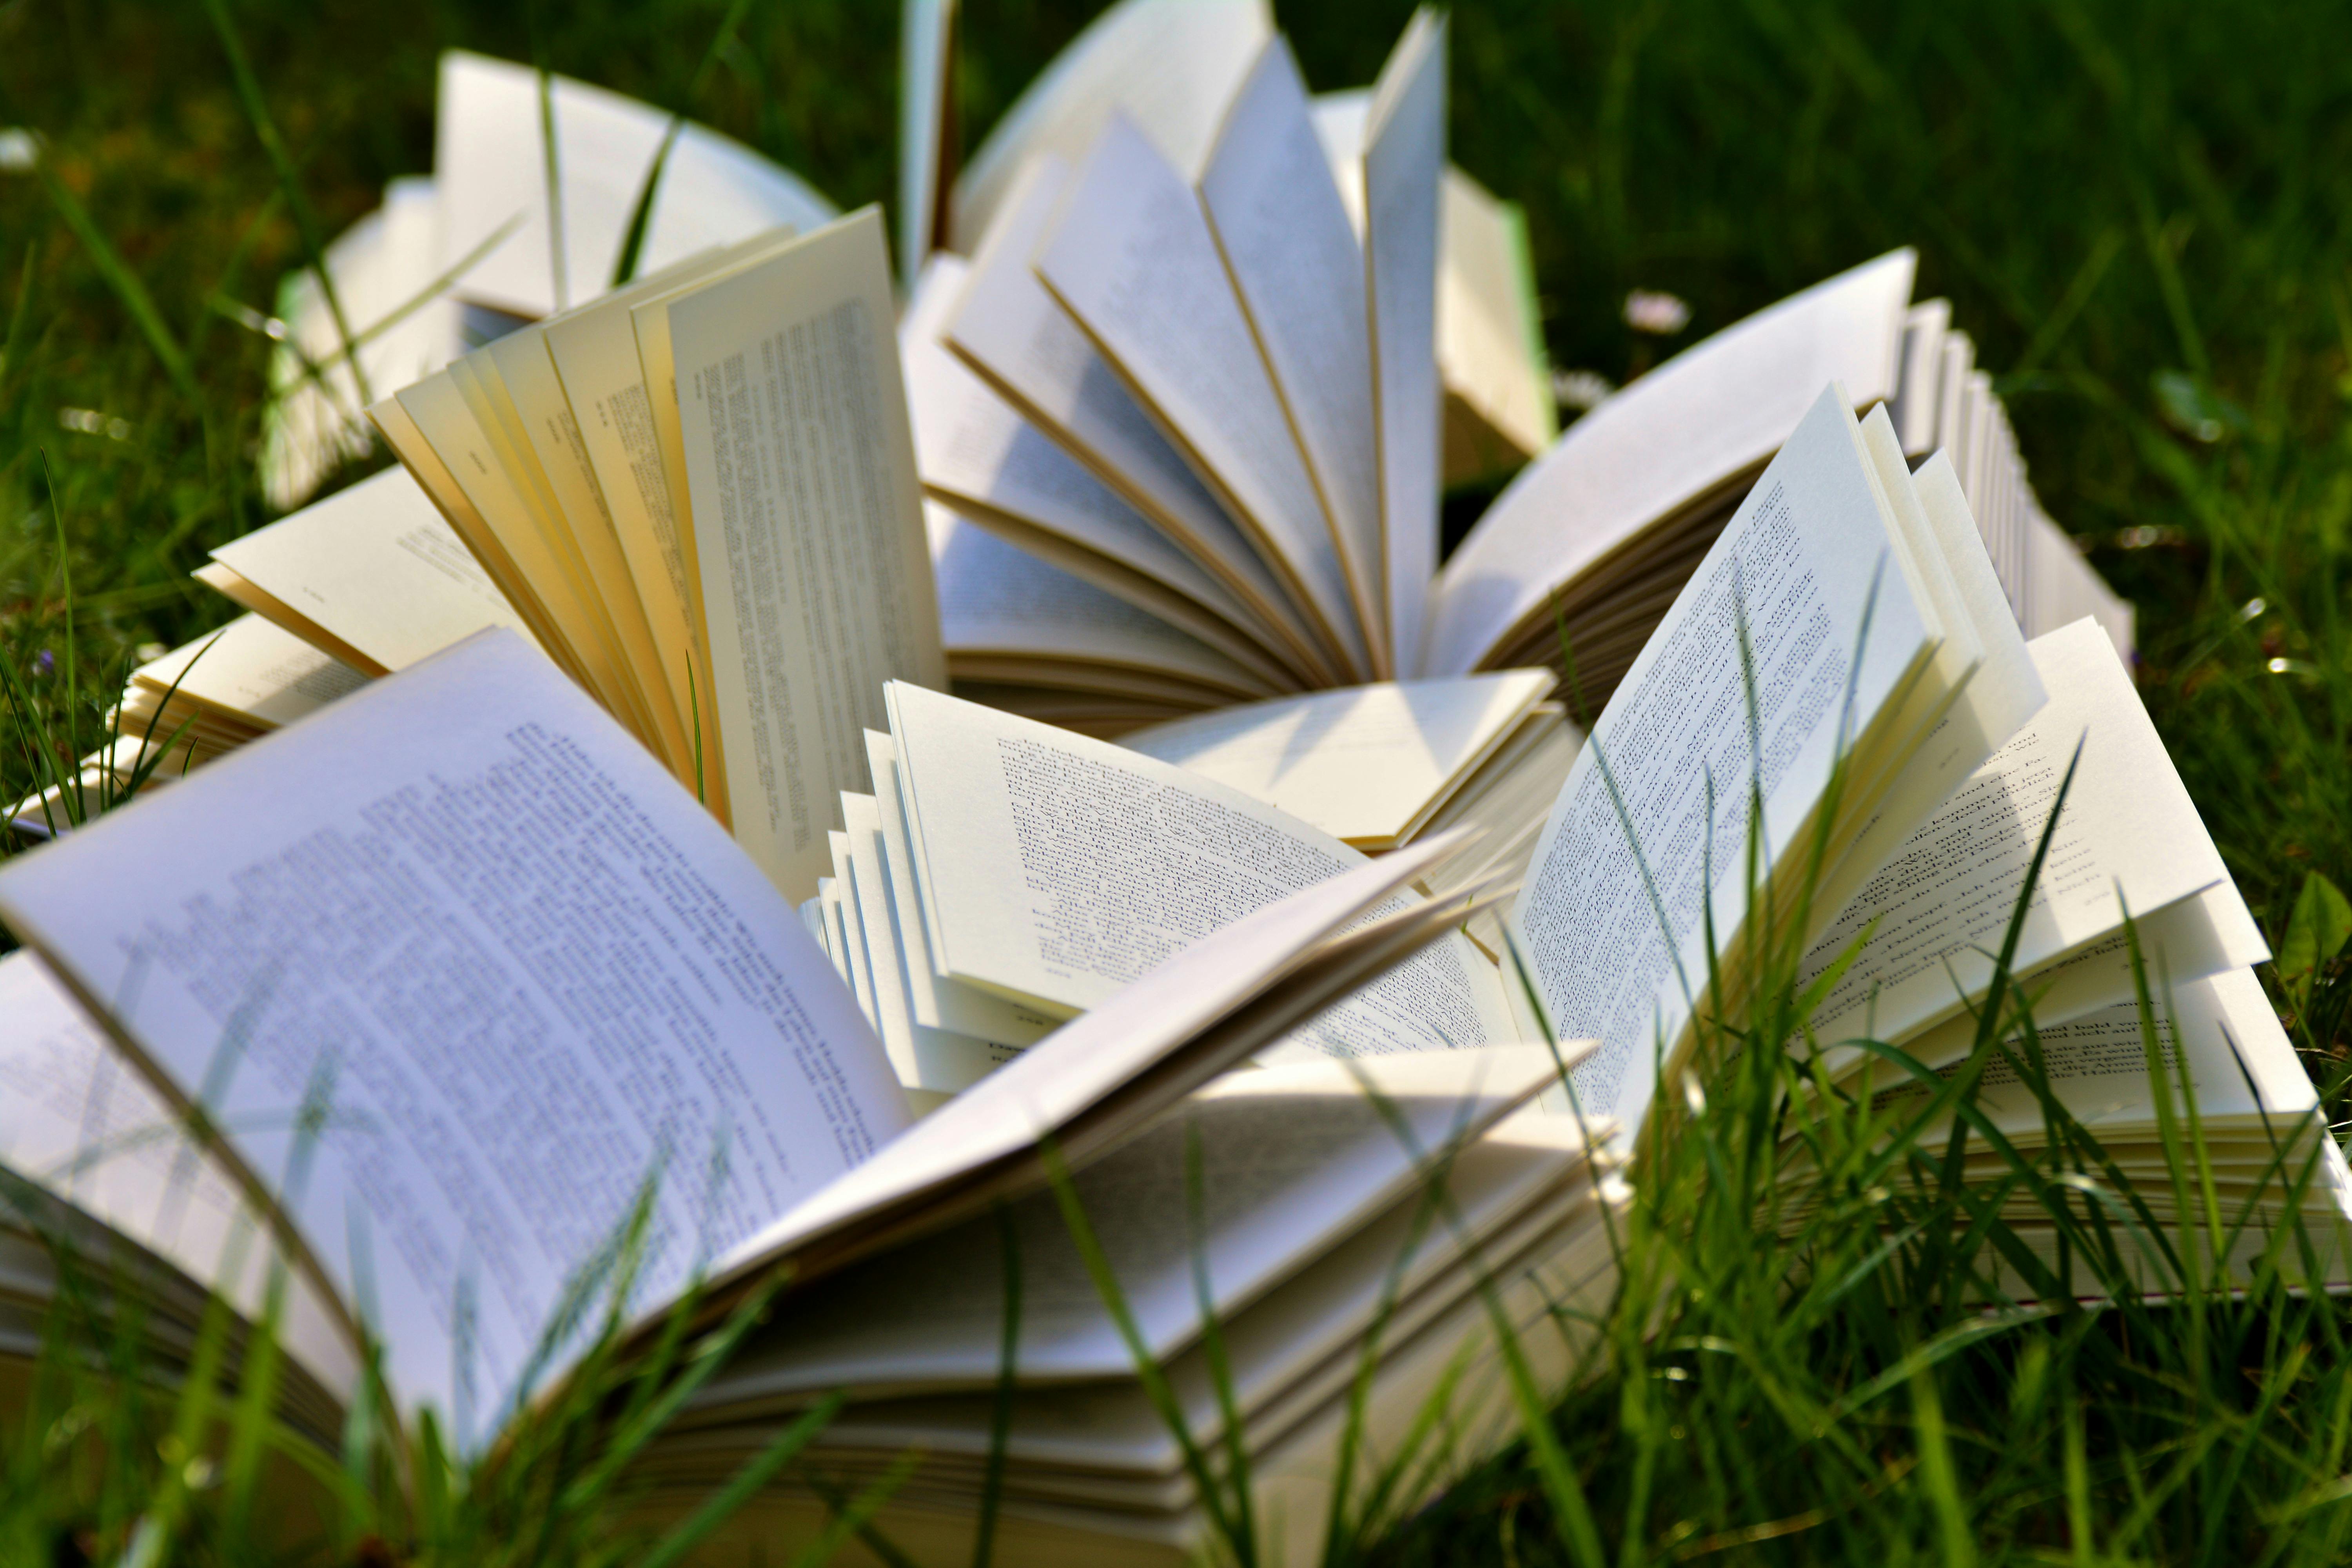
<point>2141,214</point>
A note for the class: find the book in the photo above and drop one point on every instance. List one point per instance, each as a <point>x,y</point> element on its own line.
<point>426,906</point>
<point>698,492</point>
<point>473,850</point>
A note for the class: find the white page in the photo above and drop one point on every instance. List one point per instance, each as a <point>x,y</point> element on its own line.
<point>1943,900</point>
<point>851,931</point>
<point>378,567</point>
<point>927,32</point>
<point>815,571</point>
<point>1806,552</point>
<point>1083,1062</point>
<point>977,454</point>
<point>1171,66</point>
<point>1404,160</point>
<point>491,163</point>
<point>1951,398</point>
<point>1059,869</point>
<point>80,1122</point>
<point>535,970</point>
<point>1711,413</point>
<point>1915,404</point>
<point>1017,338</point>
<point>383,268</point>
<point>997,599</point>
<point>930,1062</point>
<point>933,1002</point>
<point>1132,260</point>
<point>1364,763</point>
<point>1293,1160</point>
<point>1282,232</point>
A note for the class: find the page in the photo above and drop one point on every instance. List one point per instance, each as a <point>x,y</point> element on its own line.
<point>1131,258</point>
<point>1014,335</point>
<point>384,270</point>
<point>931,1063</point>
<point>378,569</point>
<point>2221,1028</point>
<point>1284,236</point>
<point>1614,932</point>
<point>2128,838</point>
<point>492,167</point>
<point>1057,870</point>
<point>852,953</point>
<point>1171,66</point>
<point>926,138</point>
<point>544,419</point>
<point>1913,405</point>
<point>997,600</point>
<point>1404,160</point>
<point>476,377</point>
<point>1711,414</point>
<point>595,354</point>
<point>1365,763</point>
<point>1292,1161</point>
<point>815,569</point>
<point>1499,409</point>
<point>932,1001</point>
<point>977,454</point>
<point>529,974</point>
<point>78,1123</point>
<point>251,671</point>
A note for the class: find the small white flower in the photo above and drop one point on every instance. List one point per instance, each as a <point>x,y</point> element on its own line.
<point>1655,312</point>
<point>1580,389</point>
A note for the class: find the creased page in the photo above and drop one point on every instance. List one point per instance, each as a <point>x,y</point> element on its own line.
<point>378,569</point>
<point>1132,260</point>
<point>1612,921</point>
<point>1284,233</point>
<point>1712,414</point>
<point>1013,334</point>
<point>1364,763</point>
<point>1059,868</point>
<point>927,129</point>
<point>1943,902</point>
<point>525,973</point>
<point>1404,160</point>
<point>815,570</point>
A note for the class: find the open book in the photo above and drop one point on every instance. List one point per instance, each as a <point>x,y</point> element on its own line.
<point>698,494</point>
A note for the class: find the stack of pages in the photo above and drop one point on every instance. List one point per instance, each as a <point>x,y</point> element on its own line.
<point>467,907</point>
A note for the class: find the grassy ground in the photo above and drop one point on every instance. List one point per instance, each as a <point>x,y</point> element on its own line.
<point>2140,212</point>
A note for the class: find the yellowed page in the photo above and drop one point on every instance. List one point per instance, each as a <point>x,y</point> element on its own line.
<point>476,377</point>
<point>816,573</point>
<point>595,354</point>
<point>378,568</point>
<point>448,424</point>
<point>1712,414</point>
<point>1296,265</point>
<point>546,420</point>
<point>407,439</point>
<point>1364,763</point>
<point>1013,335</point>
<point>1131,258</point>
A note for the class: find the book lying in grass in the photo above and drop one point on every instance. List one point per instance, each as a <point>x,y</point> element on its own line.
<point>698,492</point>
<point>1839,749</point>
<point>462,982</point>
